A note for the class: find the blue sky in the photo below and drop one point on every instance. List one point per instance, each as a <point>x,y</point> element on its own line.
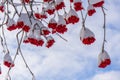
<point>72,60</point>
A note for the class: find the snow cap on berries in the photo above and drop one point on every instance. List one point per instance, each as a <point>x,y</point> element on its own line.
<point>24,17</point>
<point>40,41</point>
<point>61,27</point>
<point>43,15</point>
<point>50,41</point>
<point>52,23</point>
<point>32,39</point>
<point>11,24</point>
<point>37,32</point>
<point>37,15</point>
<point>78,5</point>
<point>8,60</point>
<point>61,20</point>
<point>103,59</point>
<point>50,9</point>
<point>24,21</point>
<point>87,36</point>
<point>35,38</point>
<point>44,31</point>
<point>31,36</point>
<point>72,17</point>
<point>97,3</point>
<point>59,4</point>
<point>25,40</point>
<point>91,10</point>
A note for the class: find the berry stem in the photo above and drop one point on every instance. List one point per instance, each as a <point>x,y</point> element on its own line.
<point>104,27</point>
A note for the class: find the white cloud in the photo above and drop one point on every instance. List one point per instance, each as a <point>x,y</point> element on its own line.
<point>112,75</point>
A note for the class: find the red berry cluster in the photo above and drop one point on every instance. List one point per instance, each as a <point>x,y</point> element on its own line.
<point>103,59</point>
<point>40,25</point>
<point>53,7</point>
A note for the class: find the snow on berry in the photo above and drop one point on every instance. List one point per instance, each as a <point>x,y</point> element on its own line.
<point>87,36</point>
<point>97,3</point>
<point>24,22</point>
<point>37,15</point>
<point>103,59</point>
<point>41,15</point>
<point>72,17</point>
<point>25,40</point>
<point>50,9</point>
<point>52,23</point>
<point>40,41</point>
<point>11,24</point>
<point>34,38</point>
<point>91,10</point>
<point>44,31</point>
<point>78,5</point>
<point>8,60</point>
<point>50,41</point>
<point>31,38</point>
<point>37,35</point>
<point>59,4</point>
<point>61,26</point>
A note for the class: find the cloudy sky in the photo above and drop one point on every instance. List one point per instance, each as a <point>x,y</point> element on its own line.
<point>71,60</point>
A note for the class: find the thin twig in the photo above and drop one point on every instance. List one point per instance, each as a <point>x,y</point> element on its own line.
<point>27,12</point>
<point>83,20</point>
<point>4,38</point>
<point>1,40</point>
<point>104,27</point>
<point>33,77</point>
<point>14,8</point>
<point>20,51</point>
<point>61,37</point>
<point>19,43</point>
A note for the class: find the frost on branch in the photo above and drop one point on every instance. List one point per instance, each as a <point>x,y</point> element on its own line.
<point>37,21</point>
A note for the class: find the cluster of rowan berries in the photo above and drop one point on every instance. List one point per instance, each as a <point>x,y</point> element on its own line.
<point>37,33</point>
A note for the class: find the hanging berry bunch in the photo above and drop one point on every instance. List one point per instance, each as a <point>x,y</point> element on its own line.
<point>37,21</point>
